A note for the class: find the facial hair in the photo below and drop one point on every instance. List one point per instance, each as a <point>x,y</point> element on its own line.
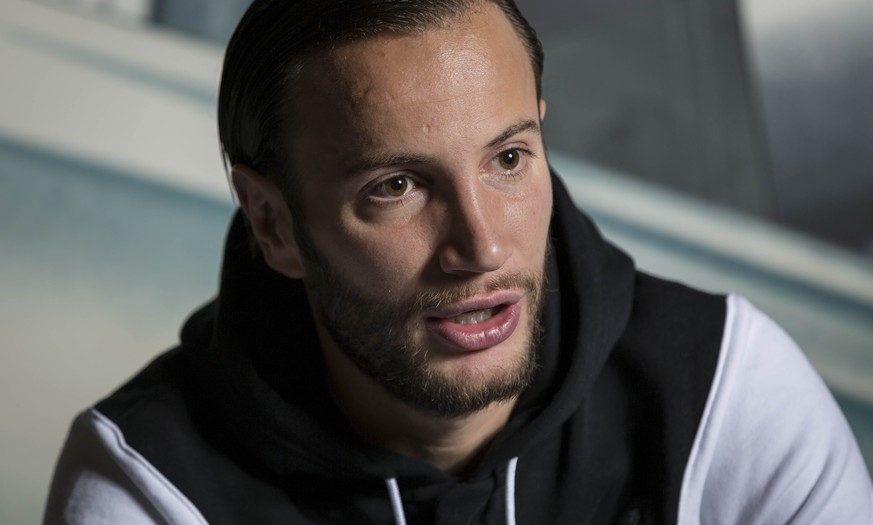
<point>376,334</point>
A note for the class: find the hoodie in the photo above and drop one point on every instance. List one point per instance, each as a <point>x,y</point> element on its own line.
<point>623,423</point>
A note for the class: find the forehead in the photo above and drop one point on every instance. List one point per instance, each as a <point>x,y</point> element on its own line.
<point>392,87</point>
<point>401,67</point>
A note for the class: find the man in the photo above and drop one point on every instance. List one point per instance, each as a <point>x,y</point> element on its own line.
<point>415,325</point>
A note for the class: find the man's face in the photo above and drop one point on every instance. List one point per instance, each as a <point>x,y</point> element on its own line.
<point>426,200</point>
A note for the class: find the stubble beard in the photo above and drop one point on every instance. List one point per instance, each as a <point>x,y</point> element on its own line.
<point>376,334</point>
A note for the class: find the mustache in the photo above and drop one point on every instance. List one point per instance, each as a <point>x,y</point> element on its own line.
<point>529,282</point>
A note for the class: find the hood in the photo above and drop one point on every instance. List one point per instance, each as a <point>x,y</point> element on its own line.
<point>257,367</point>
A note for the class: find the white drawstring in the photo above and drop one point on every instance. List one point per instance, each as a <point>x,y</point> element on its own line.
<point>510,491</point>
<point>396,504</point>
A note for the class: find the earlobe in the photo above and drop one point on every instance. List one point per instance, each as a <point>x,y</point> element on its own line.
<point>270,220</point>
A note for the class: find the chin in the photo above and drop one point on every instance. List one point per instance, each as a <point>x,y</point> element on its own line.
<point>481,366</point>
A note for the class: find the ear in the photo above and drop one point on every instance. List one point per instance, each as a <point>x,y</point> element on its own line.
<point>270,220</point>
<point>542,110</point>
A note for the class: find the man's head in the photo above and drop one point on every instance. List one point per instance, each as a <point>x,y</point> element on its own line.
<point>411,193</point>
<point>275,37</point>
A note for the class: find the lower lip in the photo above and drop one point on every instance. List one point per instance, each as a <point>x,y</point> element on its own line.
<point>479,336</point>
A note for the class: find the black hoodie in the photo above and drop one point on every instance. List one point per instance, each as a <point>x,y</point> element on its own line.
<point>238,418</point>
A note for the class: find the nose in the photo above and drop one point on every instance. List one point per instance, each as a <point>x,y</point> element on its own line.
<point>475,240</point>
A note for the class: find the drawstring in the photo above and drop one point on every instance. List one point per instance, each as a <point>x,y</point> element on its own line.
<point>397,504</point>
<point>510,491</point>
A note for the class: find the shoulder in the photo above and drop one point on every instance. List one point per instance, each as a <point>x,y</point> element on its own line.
<point>675,316</point>
<point>670,348</point>
<point>100,478</point>
<point>107,471</point>
<point>772,444</point>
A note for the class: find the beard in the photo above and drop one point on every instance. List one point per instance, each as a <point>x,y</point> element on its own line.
<point>377,334</point>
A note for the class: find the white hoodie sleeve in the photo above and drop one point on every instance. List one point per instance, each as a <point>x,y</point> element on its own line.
<point>100,479</point>
<point>773,446</point>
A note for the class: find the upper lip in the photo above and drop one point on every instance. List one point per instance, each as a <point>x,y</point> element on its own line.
<point>477,303</point>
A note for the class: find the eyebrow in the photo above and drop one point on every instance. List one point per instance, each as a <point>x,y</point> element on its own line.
<point>515,129</point>
<point>379,160</point>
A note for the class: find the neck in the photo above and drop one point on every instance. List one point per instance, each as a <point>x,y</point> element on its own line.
<point>454,445</point>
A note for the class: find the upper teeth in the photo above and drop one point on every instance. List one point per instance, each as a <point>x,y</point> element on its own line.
<point>476,316</point>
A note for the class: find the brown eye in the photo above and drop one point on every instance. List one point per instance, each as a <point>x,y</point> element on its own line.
<point>509,159</point>
<point>396,187</point>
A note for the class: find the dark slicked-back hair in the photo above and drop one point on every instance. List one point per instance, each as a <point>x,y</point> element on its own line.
<point>273,38</point>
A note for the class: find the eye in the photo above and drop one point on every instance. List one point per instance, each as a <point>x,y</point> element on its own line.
<point>394,187</point>
<point>509,159</point>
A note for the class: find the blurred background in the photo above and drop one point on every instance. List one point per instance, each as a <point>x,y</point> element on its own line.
<point>724,143</point>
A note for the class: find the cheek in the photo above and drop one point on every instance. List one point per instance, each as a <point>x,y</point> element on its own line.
<point>543,212</point>
<point>381,260</point>
<point>531,218</point>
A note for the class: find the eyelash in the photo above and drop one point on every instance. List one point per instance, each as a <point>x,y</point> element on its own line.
<point>526,154</point>
<point>382,184</point>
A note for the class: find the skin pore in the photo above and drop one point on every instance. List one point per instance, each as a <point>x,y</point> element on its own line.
<point>426,195</point>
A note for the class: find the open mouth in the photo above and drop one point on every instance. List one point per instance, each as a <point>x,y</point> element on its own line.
<point>479,324</point>
<point>476,316</point>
